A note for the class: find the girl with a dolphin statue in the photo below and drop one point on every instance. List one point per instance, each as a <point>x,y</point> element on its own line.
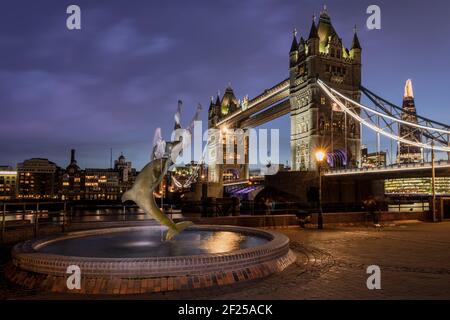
<point>164,155</point>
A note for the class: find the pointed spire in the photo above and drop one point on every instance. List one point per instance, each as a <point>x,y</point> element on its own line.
<point>355,42</point>
<point>324,11</point>
<point>294,46</point>
<point>301,44</point>
<point>409,93</point>
<point>218,98</point>
<point>313,34</point>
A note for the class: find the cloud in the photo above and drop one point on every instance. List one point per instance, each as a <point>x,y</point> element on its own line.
<point>124,38</point>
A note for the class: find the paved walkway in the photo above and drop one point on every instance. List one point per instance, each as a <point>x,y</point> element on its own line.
<point>414,259</point>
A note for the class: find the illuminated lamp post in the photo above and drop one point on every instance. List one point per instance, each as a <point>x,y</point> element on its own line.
<point>320,157</point>
<point>433,183</point>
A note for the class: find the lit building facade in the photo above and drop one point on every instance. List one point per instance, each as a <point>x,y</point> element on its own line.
<point>96,184</point>
<point>417,186</point>
<point>8,178</point>
<point>102,184</point>
<point>408,153</point>
<point>72,181</point>
<point>374,159</point>
<point>37,178</point>
<point>316,123</point>
<point>127,174</point>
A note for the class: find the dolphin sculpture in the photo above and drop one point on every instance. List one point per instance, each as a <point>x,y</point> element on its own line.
<point>147,181</point>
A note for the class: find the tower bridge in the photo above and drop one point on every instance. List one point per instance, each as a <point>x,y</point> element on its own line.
<point>323,97</point>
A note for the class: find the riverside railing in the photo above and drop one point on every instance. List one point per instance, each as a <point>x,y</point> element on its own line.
<point>33,216</point>
<point>19,214</point>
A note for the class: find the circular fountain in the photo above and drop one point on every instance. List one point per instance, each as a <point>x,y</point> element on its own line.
<point>132,260</point>
<point>139,259</point>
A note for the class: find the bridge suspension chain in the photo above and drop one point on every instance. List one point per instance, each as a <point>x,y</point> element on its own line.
<point>384,115</point>
<point>338,98</point>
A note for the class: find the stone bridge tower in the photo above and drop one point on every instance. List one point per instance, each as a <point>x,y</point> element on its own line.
<point>315,121</point>
<point>224,146</point>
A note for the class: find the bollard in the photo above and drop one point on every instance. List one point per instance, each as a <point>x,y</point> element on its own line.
<point>64,221</point>
<point>64,217</point>
<point>36,222</point>
<point>3,222</point>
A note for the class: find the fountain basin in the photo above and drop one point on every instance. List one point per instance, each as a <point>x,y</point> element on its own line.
<point>131,260</point>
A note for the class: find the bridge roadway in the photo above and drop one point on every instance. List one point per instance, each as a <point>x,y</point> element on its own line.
<point>277,98</point>
<point>412,170</point>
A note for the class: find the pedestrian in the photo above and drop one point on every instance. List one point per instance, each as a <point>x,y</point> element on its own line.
<point>268,204</point>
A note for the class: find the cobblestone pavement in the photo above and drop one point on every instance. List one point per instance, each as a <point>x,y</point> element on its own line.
<point>414,259</point>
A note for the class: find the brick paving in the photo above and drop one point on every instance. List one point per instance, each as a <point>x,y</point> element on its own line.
<point>331,264</point>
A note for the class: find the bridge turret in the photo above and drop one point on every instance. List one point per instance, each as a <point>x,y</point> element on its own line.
<point>214,111</point>
<point>229,101</point>
<point>329,40</point>
<point>293,53</point>
<point>313,40</point>
<point>301,47</point>
<point>355,51</point>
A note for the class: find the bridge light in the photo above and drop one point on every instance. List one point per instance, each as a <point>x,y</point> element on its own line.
<point>320,155</point>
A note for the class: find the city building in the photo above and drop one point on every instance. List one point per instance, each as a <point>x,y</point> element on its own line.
<point>127,174</point>
<point>409,153</point>
<point>102,184</point>
<point>8,178</point>
<point>96,184</point>
<point>374,159</point>
<point>417,186</point>
<point>72,181</point>
<point>37,178</point>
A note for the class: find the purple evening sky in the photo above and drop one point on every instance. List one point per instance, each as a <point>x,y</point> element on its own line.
<point>112,83</point>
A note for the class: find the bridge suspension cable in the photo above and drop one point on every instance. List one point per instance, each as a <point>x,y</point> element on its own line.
<point>378,101</point>
<point>384,115</point>
<point>194,175</point>
<point>338,98</point>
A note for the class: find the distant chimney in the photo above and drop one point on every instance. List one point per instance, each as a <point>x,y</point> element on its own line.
<point>72,156</point>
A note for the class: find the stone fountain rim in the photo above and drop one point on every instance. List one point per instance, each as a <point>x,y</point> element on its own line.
<point>27,257</point>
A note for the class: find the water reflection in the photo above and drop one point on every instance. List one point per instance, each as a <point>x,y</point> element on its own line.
<point>148,243</point>
<point>85,215</point>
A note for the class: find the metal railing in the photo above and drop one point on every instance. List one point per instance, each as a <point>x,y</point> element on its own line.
<point>62,216</point>
<point>31,214</point>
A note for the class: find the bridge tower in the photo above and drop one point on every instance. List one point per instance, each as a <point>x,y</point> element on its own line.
<point>315,121</point>
<point>225,164</point>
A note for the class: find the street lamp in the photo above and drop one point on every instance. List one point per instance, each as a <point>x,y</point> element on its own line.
<point>320,157</point>
<point>433,183</point>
